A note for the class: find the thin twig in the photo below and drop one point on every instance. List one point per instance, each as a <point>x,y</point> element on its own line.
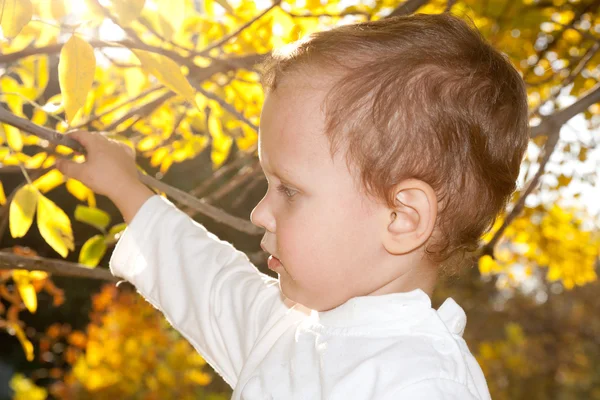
<point>225,105</point>
<point>124,103</point>
<point>245,173</point>
<point>198,191</point>
<point>549,148</point>
<point>143,110</point>
<point>340,15</point>
<point>556,90</point>
<point>235,33</point>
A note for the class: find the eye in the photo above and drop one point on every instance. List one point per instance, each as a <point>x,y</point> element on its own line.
<point>285,190</point>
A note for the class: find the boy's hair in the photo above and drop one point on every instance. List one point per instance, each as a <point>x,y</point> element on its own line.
<point>424,97</point>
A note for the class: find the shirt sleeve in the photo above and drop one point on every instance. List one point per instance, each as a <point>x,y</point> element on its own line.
<point>209,291</point>
<point>434,389</point>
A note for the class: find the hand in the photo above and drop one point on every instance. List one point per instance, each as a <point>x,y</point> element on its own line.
<point>109,168</point>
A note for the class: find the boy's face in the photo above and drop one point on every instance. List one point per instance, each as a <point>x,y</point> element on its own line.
<point>325,232</point>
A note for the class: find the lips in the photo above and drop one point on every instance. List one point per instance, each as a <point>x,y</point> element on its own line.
<point>272,262</point>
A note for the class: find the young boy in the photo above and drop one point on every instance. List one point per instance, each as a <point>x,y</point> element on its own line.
<point>389,148</point>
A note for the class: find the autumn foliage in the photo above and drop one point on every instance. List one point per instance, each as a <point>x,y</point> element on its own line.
<point>175,80</point>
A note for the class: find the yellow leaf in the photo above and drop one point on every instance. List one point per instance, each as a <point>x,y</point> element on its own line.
<point>37,160</point>
<point>76,74</point>
<point>54,226</point>
<point>209,6</point>
<point>197,377</point>
<point>135,80</point>
<point>2,195</point>
<point>149,142</point>
<point>79,190</point>
<point>22,209</point>
<point>158,155</point>
<point>34,74</point>
<point>25,389</point>
<point>27,346</point>
<point>488,265</point>
<point>173,14</point>
<point>14,15</point>
<point>221,143</point>
<point>49,181</point>
<point>13,137</point>
<point>26,289</point>
<point>168,73</point>
<point>127,10</point>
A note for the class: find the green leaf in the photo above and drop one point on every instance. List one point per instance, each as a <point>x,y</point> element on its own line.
<point>92,251</point>
<point>92,216</point>
<point>118,228</point>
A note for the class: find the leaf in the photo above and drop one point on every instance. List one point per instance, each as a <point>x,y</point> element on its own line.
<point>209,6</point>
<point>92,216</point>
<point>13,137</point>
<point>149,142</point>
<point>54,226</point>
<point>22,209</point>
<point>76,74</point>
<point>27,346</point>
<point>168,73</point>
<point>81,192</point>
<point>173,14</point>
<point>49,181</point>
<point>115,229</point>
<point>14,15</point>
<point>26,289</point>
<point>221,143</point>
<point>92,251</point>
<point>127,10</point>
<point>2,195</point>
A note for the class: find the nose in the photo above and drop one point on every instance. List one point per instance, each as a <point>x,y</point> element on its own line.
<point>262,217</point>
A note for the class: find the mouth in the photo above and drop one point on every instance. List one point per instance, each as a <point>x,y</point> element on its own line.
<point>272,262</point>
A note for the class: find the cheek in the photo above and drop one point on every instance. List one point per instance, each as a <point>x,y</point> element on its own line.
<point>312,240</point>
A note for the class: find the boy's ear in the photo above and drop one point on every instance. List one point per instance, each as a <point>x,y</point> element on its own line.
<point>412,222</point>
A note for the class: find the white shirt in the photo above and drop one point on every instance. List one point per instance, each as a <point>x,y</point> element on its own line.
<point>393,346</point>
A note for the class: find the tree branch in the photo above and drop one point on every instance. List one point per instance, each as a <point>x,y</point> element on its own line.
<point>56,267</point>
<point>561,117</point>
<point>182,197</point>
<point>408,7</point>
<point>549,148</point>
<point>44,133</point>
<point>230,36</point>
<point>555,91</point>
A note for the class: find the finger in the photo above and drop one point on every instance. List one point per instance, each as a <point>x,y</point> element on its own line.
<point>69,168</point>
<point>84,137</point>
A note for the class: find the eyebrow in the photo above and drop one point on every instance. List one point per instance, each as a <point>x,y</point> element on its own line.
<point>284,174</point>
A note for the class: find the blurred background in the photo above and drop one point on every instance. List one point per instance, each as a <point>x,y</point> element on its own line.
<point>176,79</point>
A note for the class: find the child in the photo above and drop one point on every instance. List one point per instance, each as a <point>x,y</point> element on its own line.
<point>389,148</point>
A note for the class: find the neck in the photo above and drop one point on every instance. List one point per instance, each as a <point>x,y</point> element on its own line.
<point>422,275</point>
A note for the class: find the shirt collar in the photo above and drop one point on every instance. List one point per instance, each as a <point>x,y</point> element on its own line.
<point>366,310</point>
<point>389,311</point>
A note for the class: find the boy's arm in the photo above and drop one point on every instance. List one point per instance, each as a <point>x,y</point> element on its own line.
<point>208,290</point>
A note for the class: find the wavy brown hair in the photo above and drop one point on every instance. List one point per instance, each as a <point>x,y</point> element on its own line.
<point>424,97</point>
